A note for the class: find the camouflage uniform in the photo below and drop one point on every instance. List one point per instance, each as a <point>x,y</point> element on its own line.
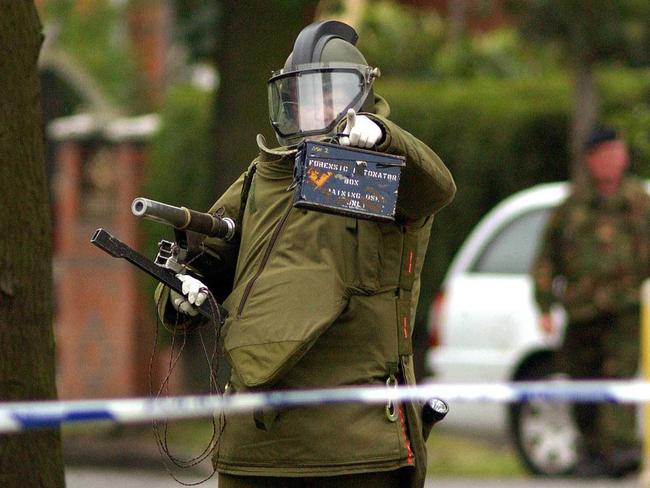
<point>594,256</point>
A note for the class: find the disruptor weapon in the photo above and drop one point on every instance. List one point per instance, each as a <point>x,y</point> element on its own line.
<point>183,255</point>
<point>184,252</point>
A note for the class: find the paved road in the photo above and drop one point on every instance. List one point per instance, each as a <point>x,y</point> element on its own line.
<point>77,477</point>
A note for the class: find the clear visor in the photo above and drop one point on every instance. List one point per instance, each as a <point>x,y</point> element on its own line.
<point>312,99</point>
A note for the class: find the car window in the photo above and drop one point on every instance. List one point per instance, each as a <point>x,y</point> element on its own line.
<point>513,248</point>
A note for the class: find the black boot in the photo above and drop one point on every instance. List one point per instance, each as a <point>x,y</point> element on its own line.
<point>591,466</point>
<point>624,461</point>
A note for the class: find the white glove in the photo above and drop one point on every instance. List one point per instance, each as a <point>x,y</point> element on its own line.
<point>194,294</point>
<point>361,131</point>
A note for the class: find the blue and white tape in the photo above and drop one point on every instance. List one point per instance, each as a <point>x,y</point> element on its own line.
<point>16,417</point>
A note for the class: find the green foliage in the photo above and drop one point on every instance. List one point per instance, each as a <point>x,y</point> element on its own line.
<point>408,42</point>
<point>635,126</point>
<point>196,27</point>
<point>402,41</point>
<point>98,40</point>
<point>597,30</point>
<point>180,152</point>
<point>294,4</point>
<point>634,120</point>
<point>499,53</point>
<point>180,157</point>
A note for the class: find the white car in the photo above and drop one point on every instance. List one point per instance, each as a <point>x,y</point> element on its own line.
<point>484,328</point>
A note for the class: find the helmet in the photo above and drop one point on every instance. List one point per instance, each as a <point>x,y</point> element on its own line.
<point>323,77</point>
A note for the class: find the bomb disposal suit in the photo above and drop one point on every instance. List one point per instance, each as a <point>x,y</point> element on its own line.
<point>320,300</point>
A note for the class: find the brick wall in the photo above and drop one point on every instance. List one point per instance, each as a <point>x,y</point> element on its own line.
<point>103,331</point>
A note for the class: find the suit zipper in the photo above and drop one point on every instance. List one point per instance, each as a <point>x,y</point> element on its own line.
<point>265,258</point>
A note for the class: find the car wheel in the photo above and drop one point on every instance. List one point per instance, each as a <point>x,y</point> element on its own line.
<point>544,433</point>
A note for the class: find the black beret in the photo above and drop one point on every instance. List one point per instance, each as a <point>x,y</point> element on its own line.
<point>600,134</point>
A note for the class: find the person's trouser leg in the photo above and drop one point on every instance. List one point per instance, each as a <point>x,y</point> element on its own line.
<point>389,479</point>
<point>580,357</point>
<point>241,481</point>
<point>617,422</point>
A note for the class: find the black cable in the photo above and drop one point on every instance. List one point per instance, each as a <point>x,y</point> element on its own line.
<point>160,429</point>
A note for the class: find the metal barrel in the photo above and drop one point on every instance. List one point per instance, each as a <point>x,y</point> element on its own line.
<point>183,218</point>
<point>160,212</point>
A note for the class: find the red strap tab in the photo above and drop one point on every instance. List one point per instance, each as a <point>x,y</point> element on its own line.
<point>407,443</point>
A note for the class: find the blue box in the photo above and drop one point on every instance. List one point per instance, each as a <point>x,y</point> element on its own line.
<point>347,181</point>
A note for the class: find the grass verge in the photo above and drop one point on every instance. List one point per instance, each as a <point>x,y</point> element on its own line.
<point>453,455</point>
<point>450,454</point>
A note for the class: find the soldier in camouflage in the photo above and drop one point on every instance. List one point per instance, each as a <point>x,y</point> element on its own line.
<point>594,255</point>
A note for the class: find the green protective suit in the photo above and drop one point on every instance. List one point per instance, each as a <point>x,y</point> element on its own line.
<point>322,301</point>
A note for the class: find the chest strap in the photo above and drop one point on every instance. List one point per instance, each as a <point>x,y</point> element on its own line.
<point>246,186</point>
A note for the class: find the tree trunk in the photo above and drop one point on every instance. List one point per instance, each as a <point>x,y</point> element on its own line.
<point>257,36</point>
<point>585,112</point>
<point>26,336</point>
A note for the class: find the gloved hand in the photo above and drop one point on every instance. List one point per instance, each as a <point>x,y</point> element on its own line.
<point>194,294</point>
<point>361,131</point>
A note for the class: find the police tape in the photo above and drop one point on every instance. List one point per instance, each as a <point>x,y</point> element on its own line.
<point>20,416</point>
